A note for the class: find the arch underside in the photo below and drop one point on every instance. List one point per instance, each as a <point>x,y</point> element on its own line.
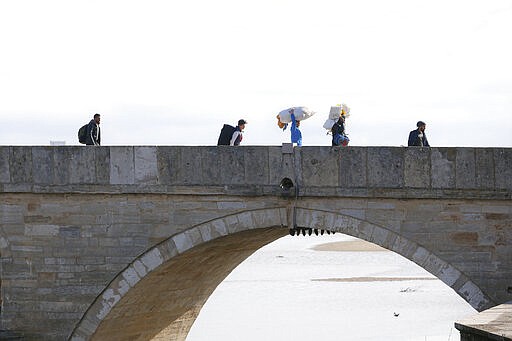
<point>162,307</point>
<point>164,303</point>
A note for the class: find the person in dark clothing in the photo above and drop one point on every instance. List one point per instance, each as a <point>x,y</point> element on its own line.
<point>418,137</point>
<point>338,132</point>
<point>93,131</point>
<point>237,136</point>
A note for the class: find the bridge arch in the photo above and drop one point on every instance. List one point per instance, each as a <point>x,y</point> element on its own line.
<point>217,245</point>
<point>201,256</point>
<point>425,258</point>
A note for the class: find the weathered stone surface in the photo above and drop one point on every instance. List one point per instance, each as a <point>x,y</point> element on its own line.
<point>443,167</point>
<point>417,168</point>
<point>20,165</point>
<point>43,167</point>
<point>82,164</point>
<point>256,165</point>
<point>385,167</point>
<point>320,166</point>
<point>503,168</point>
<point>5,175</point>
<point>146,167</point>
<point>484,173</point>
<point>465,168</point>
<point>232,165</point>
<point>122,167</point>
<point>211,166</point>
<point>353,167</point>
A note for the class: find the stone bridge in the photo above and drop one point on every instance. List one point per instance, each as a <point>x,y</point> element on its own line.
<point>127,243</point>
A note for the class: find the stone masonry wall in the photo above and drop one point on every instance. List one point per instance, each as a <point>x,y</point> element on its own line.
<point>73,218</point>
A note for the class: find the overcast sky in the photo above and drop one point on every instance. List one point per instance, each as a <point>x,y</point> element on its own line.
<point>172,72</point>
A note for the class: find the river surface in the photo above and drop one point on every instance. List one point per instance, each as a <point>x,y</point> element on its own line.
<point>331,287</point>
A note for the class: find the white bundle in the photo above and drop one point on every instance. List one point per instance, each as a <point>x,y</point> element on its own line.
<point>335,113</point>
<point>329,123</point>
<point>338,110</point>
<point>301,114</point>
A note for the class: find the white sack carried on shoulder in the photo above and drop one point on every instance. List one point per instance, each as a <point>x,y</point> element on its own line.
<point>301,114</point>
<point>338,110</point>
<point>335,112</point>
<point>329,123</point>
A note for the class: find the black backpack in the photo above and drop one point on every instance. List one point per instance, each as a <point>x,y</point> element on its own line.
<point>82,134</point>
<point>226,134</point>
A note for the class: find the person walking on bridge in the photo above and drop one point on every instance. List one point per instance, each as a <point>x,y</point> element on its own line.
<point>93,131</point>
<point>418,137</point>
<point>296,135</point>
<point>237,136</point>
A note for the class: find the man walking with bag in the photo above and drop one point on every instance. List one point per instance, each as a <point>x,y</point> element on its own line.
<point>93,131</point>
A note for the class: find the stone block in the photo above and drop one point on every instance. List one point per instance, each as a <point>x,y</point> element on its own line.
<point>5,175</point>
<point>42,230</point>
<point>484,172</point>
<point>245,221</point>
<point>320,166</point>
<point>102,165</point>
<point>146,165</point>
<point>417,168</point>
<point>189,167</point>
<point>473,295</point>
<point>266,218</point>
<point>465,168</point>
<point>185,241</point>
<point>152,259</point>
<point>503,168</point>
<point>443,167</point>
<point>232,224</point>
<point>420,256</point>
<point>20,162</point>
<point>211,163</point>
<point>232,165</point>
<point>256,165</point>
<point>122,167</point>
<point>62,165</point>
<point>386,169</point>
<point>82,164</point>
<point>168,164</point>
<point>364,231</point>
<point>353,166</point>
<point>280,166</point>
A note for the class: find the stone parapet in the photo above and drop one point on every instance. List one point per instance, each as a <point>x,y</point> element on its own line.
<point>387,172</point>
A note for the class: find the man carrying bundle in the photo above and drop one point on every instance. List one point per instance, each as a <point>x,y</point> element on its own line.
<point>294,116</point>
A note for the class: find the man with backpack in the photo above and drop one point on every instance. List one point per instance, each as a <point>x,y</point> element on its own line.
<point>232,136</point>
<point>93,132</point>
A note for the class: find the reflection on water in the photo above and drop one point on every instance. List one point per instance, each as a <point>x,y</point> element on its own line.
<point>329,288</point>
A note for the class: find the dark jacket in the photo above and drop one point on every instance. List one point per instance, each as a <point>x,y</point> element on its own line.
<point>93,134</point>
<point>414,139</point>
<point>337,129</point>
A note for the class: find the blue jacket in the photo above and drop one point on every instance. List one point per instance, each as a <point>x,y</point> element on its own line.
<point>296,134</point>
<point>414,139</point>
